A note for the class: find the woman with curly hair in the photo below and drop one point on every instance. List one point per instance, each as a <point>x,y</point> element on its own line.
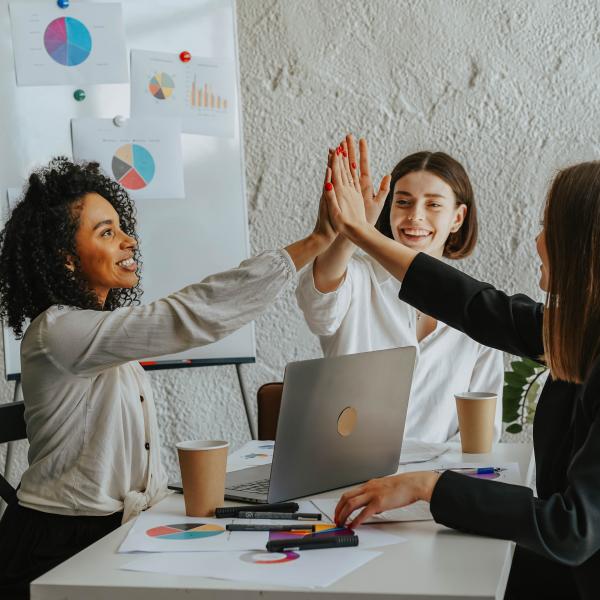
<point>69,263</point>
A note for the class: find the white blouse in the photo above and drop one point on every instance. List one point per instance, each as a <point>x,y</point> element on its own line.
<point>91,420</point>
<point>365,314</point>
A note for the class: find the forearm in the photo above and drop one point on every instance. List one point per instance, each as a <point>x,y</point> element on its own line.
<point>330,267</point>
<point>306,250</point>
<point>391,255</point>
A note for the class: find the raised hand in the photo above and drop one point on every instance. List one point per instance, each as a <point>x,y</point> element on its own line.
<point>386,493</point>
<point>344,199</point>
<point>373,201</point>
<point>324,230</point>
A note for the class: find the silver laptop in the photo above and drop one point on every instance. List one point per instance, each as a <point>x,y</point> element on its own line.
<point>341,422</point>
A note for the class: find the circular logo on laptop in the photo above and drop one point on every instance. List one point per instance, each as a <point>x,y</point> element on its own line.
<point>347,421</point>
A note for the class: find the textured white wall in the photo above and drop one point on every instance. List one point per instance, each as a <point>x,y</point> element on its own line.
<point>510,88</point>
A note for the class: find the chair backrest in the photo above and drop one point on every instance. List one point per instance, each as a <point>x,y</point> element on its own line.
<point>12,428</point>
<point>268,401</point>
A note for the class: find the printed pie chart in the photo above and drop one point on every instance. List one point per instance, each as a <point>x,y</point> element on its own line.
<point>67,41</point>
<point>133,166</point>
<point>185,531</point>
<point>161,86</point>
<point>268,558</point>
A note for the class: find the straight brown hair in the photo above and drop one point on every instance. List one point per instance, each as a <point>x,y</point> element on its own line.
<point>571,326</point>
<point>460,243</point>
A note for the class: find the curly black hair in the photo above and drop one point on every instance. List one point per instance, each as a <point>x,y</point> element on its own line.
<point>40,233</point>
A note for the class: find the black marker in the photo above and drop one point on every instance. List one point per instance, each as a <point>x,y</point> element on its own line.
<point>233,511</point>
<point>264,527</point>
<point>313,542</point>
<point>248,514</point>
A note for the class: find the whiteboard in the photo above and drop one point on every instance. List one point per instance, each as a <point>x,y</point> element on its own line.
<point>181,241</point>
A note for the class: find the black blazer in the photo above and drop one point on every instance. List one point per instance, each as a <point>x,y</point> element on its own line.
<point>561,525</point>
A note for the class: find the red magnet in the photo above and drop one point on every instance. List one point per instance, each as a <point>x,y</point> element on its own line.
<point>185,56</point>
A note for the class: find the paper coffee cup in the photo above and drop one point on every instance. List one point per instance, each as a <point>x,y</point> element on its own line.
<point>476,414</point>
<point>203,465</point>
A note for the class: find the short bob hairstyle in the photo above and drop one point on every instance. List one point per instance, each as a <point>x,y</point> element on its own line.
<point>460,243</point>
<point>40,233</point>
<point>571,322</point>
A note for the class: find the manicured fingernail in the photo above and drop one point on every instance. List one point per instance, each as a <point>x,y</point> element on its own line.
<point>328,186</point>
<point>354,165</point>
<point>337,150</point>
<point>344,153</point>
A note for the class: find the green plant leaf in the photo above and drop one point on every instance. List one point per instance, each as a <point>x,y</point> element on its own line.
<point>510,417</point>
<point>514,428</point>
<point>532,363</point>
<point>514,379</point>
<point>512,393</point>
<point>523,369</point>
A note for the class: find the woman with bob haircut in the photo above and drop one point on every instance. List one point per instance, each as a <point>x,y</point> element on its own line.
<point>558,532</point>
<point>352,303</point>
<point>69,263</point>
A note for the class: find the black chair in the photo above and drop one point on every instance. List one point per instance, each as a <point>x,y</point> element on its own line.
<point>12,428</point>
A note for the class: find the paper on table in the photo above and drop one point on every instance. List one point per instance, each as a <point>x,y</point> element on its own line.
<point>164,532</point>
<point>418,511</point>
<point>414,451</point>
<point>251,454</point>
<point>311,568</point>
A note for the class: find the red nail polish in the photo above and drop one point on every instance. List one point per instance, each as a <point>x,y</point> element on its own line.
<point>337,150</point>
<point>354,165</point>
<point>344,153</point>
<point>328,186</point>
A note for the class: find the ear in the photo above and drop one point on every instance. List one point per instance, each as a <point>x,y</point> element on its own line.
<point>459,218</point>
<point>70,263</point>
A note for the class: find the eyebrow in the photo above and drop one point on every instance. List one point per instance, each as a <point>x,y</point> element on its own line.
<point>426,195</point>
<point>106,222</point>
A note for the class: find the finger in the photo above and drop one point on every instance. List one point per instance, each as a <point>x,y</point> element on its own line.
<point>346,164</point>
<point>351,505</point>
<point>364,515</point>
<point>384,189</point>
<point>363,149</point>
<point>336,176</point>
<point>345,498</point>
<point>352,166</point>
<point>328,169</point>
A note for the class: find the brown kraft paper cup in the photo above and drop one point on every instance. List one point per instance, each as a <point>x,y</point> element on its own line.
<point>203,465</point>
<point>476,412</point>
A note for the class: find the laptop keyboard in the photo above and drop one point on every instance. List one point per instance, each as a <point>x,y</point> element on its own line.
<point>258,487</point>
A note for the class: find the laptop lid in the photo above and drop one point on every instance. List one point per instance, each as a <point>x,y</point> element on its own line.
<point>341,421</point>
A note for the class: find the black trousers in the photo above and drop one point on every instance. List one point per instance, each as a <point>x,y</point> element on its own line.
<point>33,542</point>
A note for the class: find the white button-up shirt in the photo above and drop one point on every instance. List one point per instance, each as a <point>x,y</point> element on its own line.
<point>365,314</point>
<point>91,420</point>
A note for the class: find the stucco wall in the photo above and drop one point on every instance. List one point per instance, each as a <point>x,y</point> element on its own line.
<point>510,88</point>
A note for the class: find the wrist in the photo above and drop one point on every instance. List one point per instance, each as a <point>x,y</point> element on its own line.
<point>360,232</point>
<point>428,483</point>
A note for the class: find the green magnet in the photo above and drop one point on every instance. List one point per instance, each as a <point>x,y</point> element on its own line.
<point>79,95</point>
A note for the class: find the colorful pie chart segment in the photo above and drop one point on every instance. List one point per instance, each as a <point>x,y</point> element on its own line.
<point>67,41</point>
<point>161,86</point>
<point>133,166</point>
<point>185,531</point>
<point>268,558</point>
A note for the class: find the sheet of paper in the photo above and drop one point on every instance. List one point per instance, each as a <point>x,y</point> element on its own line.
<point>414,451</point>
<point>418,511</point>
<point>202,91</point>
<point>82,44</point>
<point>143,155</point>
<point>163,532</point>
<point>308,569</point>
<point>506,472</point>
<point>252,454</point>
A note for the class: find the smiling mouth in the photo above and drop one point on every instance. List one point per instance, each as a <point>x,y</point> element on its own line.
<point>416,233</point>
<point>128,264</point>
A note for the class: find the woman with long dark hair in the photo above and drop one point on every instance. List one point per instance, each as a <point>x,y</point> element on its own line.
<point>558,532</point>
<point>69,263</point>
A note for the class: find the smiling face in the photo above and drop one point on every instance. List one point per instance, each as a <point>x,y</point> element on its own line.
<point>105,252</point>
<point>424,212</point>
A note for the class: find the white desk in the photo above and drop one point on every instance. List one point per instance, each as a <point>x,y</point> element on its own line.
<point>434,563</point>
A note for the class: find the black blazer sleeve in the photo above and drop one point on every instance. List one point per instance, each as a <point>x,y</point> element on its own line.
<point>563,527</point>
<point>510,323</point>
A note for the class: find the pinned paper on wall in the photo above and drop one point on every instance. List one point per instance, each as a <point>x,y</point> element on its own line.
<point>161,532</point>
<point>201,91</point>
<point>84,44</point>
<point>143,155</point>
<point>311,568</point>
